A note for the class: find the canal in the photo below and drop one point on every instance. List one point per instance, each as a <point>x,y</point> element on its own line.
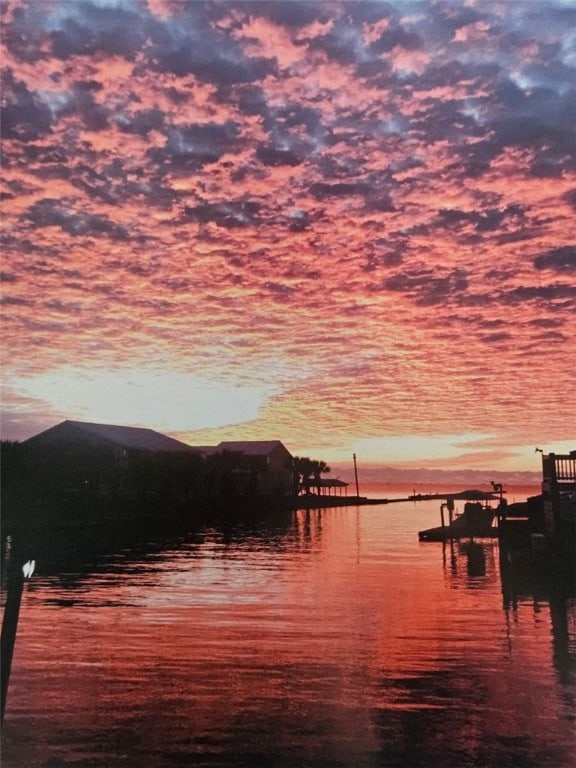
<point>311,638</point>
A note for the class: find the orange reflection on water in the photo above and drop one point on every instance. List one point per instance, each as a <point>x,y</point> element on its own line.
<point>333,635</point>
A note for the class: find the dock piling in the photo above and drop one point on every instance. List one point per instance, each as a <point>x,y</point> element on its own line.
<point>14,588</point>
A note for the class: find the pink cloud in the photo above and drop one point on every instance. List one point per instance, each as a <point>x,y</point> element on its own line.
<point>350,209</point>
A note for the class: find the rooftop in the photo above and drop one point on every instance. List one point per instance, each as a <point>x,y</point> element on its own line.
<point>250,447</point>
<point>137,438</point>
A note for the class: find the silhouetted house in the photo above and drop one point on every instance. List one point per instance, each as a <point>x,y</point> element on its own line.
<point>109,461</point>
<point>120,439</point>
<point>251,468</point>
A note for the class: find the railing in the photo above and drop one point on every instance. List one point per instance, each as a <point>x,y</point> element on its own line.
<point>566,469</point>
<point>560,469</point>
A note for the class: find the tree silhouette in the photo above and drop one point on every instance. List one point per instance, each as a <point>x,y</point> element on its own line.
<point>307,474</point>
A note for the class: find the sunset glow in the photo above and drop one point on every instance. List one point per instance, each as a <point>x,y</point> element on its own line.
<point>346,225</point>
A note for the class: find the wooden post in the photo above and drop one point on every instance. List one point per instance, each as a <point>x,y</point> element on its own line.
<point>14,587</point>
<point>356,475</point>
<point>442,515</point>
<point>450,505</point>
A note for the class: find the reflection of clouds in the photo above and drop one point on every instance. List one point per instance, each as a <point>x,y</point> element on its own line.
<point>266,643</point>
<point>176,175</point>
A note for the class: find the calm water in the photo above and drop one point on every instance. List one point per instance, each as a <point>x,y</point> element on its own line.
<point>324,638</point>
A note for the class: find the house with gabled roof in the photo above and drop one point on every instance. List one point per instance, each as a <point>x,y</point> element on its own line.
<point>255,467</point>
<point>108,461</point>
<point>108,435</point>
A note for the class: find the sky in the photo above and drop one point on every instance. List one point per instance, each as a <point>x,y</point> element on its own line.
<point>345,225</point>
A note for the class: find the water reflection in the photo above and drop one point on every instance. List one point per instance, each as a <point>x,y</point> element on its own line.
<point>478,557</point>
<point>318,638</point>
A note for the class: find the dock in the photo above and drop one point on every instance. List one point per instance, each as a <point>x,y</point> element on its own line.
<point>476,521</point>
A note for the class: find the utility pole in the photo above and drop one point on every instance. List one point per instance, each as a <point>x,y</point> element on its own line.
<point>356,475</point>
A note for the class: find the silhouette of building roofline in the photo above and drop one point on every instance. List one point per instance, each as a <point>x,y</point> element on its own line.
<point>134,438</point>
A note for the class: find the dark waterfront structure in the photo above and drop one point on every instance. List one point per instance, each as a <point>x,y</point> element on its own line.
<point>16,575</point>
<point>545,523</point>
<point>476,519</point>
<point>77,467</point>
<point>559,494</point>
<point>81,471</point>
<point>332,486</point>
<point>259,468</point>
